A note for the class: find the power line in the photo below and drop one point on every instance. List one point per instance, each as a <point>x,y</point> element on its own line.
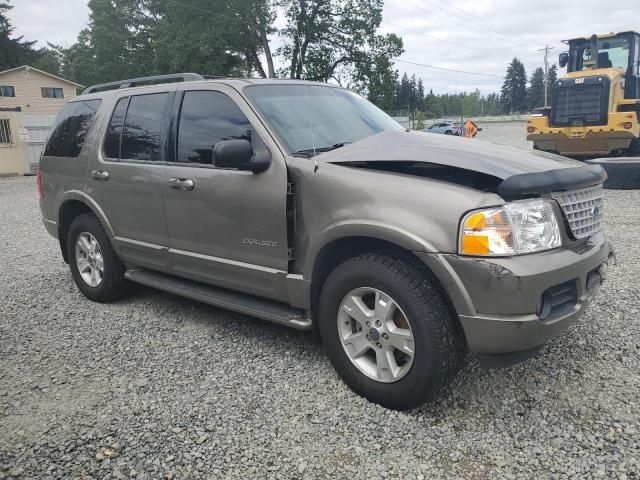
<point>469,14</point>
<point>177,2</point>
<point>447,69</point>
<point>210,12</point>
<point>546,73</point>
<point>384,22</point>
<point>464,25</point>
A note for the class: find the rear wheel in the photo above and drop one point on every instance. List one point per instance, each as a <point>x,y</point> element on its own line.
<point>96,269</point>
<point>388,331</point>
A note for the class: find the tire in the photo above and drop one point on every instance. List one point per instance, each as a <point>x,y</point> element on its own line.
<point>439,346</point>
<point>448,132</point>
<point>112,284</point>
<point>623,173</point>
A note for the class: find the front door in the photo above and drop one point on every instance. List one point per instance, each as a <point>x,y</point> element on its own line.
<point>125,178</point>
<point>226,227</point>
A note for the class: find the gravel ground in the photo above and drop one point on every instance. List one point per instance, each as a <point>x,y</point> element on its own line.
<point>506,133</point>
<point>155,386</point>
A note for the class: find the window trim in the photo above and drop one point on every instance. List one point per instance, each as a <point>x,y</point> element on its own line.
<point>175,129</point>
<point>91,124</point>
<point>13,89</point>
<point>53,97</point>
<point>163,130</point>
<point>103,152</point>
<point>9,132</point>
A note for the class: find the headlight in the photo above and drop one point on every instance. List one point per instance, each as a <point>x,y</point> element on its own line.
<point>525,226</point>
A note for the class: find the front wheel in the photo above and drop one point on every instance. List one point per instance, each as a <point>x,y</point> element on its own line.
<point>388,331</point>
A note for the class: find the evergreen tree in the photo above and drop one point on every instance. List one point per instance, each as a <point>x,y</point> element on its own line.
<point>536,89</point>
<point>14,52</point>
<point>552,78</point>
<point>514,88</point>
<point>420,103</point>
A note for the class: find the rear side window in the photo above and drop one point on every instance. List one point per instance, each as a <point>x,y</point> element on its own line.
<point>114,131</point>
<point>142,127</point>
<point>71,127</point>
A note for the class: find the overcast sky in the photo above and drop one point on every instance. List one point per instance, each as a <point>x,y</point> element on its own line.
<point>484,35</point>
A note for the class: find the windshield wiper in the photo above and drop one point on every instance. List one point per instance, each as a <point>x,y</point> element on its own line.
<point>308,152</point>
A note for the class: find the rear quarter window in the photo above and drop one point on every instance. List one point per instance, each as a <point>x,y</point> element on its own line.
<point>70,128</point>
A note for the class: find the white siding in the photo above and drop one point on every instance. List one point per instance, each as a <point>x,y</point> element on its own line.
<point>28,84</point>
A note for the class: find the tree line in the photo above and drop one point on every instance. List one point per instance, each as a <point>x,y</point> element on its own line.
<point>518,94</point>
<point>323,40</point>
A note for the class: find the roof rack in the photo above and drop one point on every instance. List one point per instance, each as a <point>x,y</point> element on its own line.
<point>152,80</point>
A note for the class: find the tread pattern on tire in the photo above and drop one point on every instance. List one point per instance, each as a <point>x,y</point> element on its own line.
<point>117,285</point>
<point>450,342</point>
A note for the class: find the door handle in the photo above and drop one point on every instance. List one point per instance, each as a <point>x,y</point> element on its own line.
<point>181,183</point>
<point>100,175</point>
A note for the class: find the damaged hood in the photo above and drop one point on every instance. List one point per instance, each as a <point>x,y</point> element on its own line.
<point>522,171</point>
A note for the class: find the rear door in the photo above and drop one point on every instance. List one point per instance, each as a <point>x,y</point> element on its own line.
<point>125,178</point>
<point>230,228</point>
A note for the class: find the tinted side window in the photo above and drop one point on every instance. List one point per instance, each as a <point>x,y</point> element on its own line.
<point>114,131</point>
<point>207,118</point>
<point>71,127</point>
<point>142,126</point>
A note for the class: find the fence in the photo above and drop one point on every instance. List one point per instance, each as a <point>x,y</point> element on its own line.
<point>22,139</point>
<point>37,127</point>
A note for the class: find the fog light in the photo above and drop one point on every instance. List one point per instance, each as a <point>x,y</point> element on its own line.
<point>531,129</point>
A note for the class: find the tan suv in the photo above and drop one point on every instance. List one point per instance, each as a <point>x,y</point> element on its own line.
<point>303,204</point>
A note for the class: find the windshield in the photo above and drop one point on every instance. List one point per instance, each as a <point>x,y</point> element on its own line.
<point>313,117</point>
<point>612,52</point>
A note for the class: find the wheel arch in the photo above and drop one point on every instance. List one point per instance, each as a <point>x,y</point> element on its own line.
<point>338,250</point>
<point>73,205</point>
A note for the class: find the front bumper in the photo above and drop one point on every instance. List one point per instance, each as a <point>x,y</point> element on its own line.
<point>506,296</point>
<point>585,140</point>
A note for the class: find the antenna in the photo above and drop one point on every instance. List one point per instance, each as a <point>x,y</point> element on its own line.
<point>295,11</point>
<point>313,138</point>
<point>306,89</point>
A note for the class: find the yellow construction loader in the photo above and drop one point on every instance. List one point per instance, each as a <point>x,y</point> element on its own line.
<point>595,106</point>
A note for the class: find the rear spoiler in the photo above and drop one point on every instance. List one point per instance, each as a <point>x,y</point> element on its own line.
<point>539,183</point>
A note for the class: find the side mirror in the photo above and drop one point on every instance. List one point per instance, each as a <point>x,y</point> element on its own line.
<point>239,154</point>
<point>563,59</point>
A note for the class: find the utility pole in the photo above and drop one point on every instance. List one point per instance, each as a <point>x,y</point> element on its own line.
<point>546,73</point>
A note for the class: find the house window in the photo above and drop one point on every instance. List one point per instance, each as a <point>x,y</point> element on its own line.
<point>52,92</point>
<point>7,91</point>
<point>5,132</point>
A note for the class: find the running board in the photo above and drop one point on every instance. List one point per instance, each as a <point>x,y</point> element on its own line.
<point>253,306</point>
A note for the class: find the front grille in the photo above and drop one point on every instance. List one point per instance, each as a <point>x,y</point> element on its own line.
<point>583,210</point>
<point>577,104</point>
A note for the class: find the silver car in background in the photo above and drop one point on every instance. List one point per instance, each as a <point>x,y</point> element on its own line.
<point>447,128</point>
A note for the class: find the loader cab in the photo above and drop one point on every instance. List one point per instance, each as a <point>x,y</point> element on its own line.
<point>621,50</point>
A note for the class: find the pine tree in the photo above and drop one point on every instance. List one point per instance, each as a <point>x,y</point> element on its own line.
<point>552,78</point>
<point>536,90</point>
<point>420,104</point>
<point>14,52</point>
<point>514,88</point>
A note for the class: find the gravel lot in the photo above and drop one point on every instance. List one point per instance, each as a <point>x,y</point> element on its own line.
<point>155,386</point>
